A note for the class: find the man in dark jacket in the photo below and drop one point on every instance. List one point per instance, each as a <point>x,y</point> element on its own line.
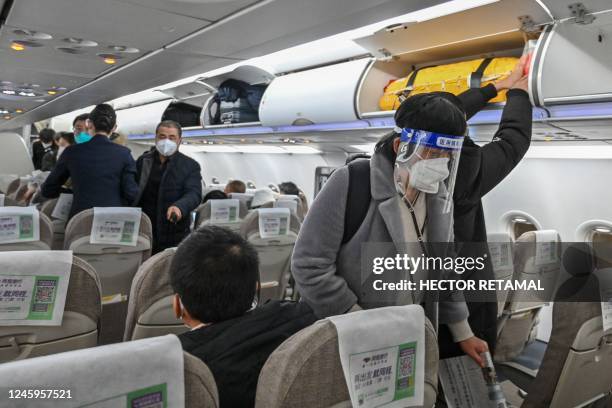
<point>215,273</point>
<point>44,145</point>
<point>170,187</point>
<point>480,170</point>
<point>103,173</point>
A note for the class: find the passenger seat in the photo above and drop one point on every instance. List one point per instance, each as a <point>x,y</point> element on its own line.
<point>116,265</point>
<point>519,319</point>
<point>150,310</point>
<point>203,214</point>
<point>305,371</point>
<point>80,323</point>
<point>151,372</point>
<point>501,249</point>
<point>274,251</point>
<point>45,235</point>
<point>58,225</point>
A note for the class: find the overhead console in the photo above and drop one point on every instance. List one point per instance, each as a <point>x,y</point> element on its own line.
<point>571,63</point>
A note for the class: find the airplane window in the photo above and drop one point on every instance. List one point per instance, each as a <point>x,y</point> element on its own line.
<point>519,222</point>
<point>521,226</point>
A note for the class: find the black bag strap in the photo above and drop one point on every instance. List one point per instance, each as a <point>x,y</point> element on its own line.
<point>476,76</point>
<point>358,197</point>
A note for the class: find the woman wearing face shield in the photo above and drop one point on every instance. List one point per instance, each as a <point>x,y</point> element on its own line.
<point>411,179</point>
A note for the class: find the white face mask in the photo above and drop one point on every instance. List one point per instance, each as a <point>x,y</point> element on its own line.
<point>166,147</point>
<point>60,150</point>
<point>426,175</point>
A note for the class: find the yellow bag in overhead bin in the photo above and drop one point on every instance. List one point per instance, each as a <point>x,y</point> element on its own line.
<point>454,78</point>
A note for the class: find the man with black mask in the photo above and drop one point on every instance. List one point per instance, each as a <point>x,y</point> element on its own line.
<point>43,146</point>
<point>103,173</point>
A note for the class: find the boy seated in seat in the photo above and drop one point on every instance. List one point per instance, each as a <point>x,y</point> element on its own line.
<point>215,275</point>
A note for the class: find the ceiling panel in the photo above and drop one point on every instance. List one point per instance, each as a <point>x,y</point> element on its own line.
<point>107,21</point>
<point>269,26</point>
<point>282,24</point>
<point>211,11</point>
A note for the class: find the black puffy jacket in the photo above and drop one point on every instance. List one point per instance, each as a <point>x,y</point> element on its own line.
<point>181,186</point>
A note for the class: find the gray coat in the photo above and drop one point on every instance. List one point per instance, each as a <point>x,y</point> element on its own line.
<point>328,274</point>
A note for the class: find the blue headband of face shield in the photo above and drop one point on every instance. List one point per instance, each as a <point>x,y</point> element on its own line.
<point>431,139</point>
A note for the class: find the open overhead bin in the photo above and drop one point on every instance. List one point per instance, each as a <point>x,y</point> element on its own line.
<point>574,57</point>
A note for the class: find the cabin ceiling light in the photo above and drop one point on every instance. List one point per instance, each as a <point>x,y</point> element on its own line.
<point>16,46</point>
<point>80,42</point>
<point>21,45</point>
<point>519,219</point>
<point>110,59</point>
<point>18,110</point>
<point>32,35</point>
<point>54,90</point>
<point>7,117</point>
<point>3,111</point>
<point>604,230</point>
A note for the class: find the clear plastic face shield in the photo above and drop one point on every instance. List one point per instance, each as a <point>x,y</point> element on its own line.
<point>427,162</point>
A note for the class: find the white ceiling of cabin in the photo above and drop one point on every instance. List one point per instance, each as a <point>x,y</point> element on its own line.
<point>173,38</point>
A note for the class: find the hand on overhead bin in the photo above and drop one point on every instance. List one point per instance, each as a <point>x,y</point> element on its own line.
<point>473,347</point>
<point>176,212</point>
<point>515,76</point>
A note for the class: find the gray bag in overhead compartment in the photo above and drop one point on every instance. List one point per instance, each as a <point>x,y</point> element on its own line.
<point>238,102</point>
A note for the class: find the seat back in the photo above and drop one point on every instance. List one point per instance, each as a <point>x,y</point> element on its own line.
<point>116,266</point>
<point>150,310</point>
<point>305,371</point>
<point>149,372</point>
<point>501,250</point>
<point>79,328</point>
<point>298,207</point>
<point>536,257</point>
<point>12,187</point>
<point>204,214</point>
<point>200,387</point>
<point>578,361</point>
<point>45,236</point>
<point>274,252</point>
<point>58,225</point>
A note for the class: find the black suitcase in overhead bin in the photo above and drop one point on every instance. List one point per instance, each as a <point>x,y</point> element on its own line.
<point>237,102</point>
<point>239,111</point>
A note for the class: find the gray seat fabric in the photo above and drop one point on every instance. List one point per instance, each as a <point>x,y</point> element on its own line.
<point>59,226</point>
<point>115,265</point>
<point>274,255</point>
<point>503,269</point>
<point>13,187</point>
<point>45,242</point>
<point>518,322</point>
<point>203,216</point>
<point>79,327</point>
<point>200,387</point>
<point>578,361</point>
<point>305,371</point>
<point>150,311</point>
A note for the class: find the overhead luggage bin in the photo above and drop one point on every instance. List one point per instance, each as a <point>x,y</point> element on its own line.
<point>251,74</point>
<point>141,119</point>
<point>574,57</point>
<point>498,26</point>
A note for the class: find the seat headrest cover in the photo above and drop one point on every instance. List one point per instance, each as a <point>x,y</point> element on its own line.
<point>224,211</point>
<point>19,224</point>
<point>397,358</point>
<point>250,224</point>
<point>80,226</point>
<point>33,287</point>
<point>115,225</point>
<point>274,222</point>
<point>132,373</point>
